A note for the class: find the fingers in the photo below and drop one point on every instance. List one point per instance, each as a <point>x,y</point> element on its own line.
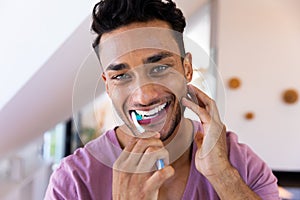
<point>158,178</point>
<point>201,96</point>
<point>143,144</point>
<point>203,104</point>
<point>151,155</point>
<point>132,175</point>
<point>141,154</point>
<point>132,143</point>
<point>201,112</point>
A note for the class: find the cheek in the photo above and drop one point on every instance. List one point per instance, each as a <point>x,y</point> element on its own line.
<point>176,83</point>
<point>119,95</point>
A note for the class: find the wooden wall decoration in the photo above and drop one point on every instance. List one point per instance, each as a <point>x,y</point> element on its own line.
<point>249,115</point>
<point>234,83</point>
<point>290,96</point>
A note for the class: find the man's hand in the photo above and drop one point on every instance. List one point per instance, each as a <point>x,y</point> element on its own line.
<point>211,157</point>
<point>133,176</point>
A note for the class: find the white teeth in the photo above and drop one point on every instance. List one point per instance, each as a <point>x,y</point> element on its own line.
<point>151,112</point>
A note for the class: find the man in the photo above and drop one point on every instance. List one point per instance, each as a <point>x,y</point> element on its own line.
<point>146,72</point>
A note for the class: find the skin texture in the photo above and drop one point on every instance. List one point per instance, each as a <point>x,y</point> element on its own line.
<point>137,87</point>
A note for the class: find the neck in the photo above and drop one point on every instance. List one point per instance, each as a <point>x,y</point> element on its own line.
<point>180,146</point>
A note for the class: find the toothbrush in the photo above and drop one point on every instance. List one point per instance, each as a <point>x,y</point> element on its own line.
<point>136,117</point>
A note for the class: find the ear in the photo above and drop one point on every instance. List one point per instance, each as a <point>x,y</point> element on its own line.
<point>105,82</point>
<point>188,67</point>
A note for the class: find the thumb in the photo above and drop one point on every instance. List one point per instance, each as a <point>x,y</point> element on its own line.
<point>159,177</point>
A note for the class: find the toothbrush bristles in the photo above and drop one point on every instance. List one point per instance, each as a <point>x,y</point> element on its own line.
<point>136,123</point>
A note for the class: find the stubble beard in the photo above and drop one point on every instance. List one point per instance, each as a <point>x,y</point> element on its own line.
<point>175,122</point>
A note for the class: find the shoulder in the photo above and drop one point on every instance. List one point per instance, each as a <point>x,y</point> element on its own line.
<point>241,155</point>
<point>254,171</point>
<point>81,171</point>
<point>237,151</point>
<point>91,154</point>
<point>243,158</point>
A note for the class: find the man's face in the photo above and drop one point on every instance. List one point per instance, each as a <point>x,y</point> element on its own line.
<point>149,82</point>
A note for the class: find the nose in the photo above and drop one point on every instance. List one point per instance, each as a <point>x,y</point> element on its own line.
<point>146,95</point>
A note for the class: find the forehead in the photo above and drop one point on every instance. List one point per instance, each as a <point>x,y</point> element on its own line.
<point>140,37</point>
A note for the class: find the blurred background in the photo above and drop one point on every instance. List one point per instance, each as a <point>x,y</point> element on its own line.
<point>46,60</point>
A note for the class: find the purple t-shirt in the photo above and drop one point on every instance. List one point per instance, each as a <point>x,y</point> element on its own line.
<point>85,175</point>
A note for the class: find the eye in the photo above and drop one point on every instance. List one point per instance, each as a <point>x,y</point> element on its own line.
<point>159,68</point>
<point>120,77</point>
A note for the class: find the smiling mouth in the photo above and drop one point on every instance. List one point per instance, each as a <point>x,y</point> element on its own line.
<point>150,116</point>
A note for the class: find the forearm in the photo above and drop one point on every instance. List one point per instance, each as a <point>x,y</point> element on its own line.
<point>230,185</point>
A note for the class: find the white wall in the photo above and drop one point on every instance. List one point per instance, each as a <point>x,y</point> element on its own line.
<point>46,99</point>
<point>259,42</point>
<point>31,31</point>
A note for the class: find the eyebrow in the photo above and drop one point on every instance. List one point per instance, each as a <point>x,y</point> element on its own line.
<point>116,67</point>
<point>157,57</point>
<point>152,59</point>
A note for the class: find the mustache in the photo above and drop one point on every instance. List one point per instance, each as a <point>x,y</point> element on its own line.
<point>154,102</point>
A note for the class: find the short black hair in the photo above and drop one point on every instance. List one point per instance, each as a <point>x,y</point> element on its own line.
<point>109,15</point>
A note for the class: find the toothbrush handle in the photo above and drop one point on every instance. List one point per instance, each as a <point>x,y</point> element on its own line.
<point>160,164</point>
